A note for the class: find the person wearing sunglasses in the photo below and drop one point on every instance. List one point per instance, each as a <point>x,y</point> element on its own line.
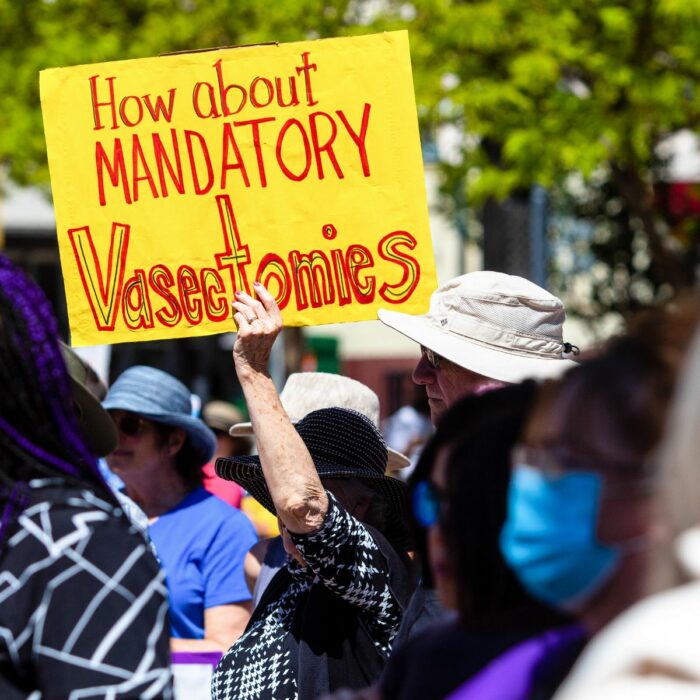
<point>483,330</point>
<point>651,649</point>
<point>200,540</point>
<point>580,518</point>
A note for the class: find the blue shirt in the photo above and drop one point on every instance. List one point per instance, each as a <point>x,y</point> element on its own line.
<point>201,544</point>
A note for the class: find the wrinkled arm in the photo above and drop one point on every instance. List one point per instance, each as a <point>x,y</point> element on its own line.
<point>291,477</point>
<point>348,561</point>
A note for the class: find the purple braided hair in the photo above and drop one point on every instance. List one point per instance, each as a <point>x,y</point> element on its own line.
<point>45,359</point>
<point>16,501</point>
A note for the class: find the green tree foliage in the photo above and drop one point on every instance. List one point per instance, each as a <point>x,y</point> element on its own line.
<point>555,88</point>
<point>38,34</point>
<point>544,89</point>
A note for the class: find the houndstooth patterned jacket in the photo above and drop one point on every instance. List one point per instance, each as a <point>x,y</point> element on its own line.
<point>342,556</point>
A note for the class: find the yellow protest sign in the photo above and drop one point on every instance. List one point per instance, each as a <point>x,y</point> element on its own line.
<point>180,179</point>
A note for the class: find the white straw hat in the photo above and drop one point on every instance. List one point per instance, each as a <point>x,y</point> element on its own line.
<point>305,392</point>
<point>497,325</point>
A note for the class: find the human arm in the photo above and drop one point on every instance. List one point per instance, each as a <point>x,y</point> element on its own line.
<point>340,550</point>
<point>223,625</point>
<point>347,560</point>
<point>292,480</point>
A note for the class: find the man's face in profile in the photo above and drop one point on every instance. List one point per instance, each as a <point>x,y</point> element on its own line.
<point>445,382</point>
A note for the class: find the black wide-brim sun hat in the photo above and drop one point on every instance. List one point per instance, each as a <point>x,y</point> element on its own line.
<point>343,444</point>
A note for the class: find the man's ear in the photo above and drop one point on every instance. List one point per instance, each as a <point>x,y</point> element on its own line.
<point>176,439</point>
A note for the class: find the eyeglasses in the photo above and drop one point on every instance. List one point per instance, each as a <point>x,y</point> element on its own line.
<point>129,424</point>
<point>427,502</point>
<point>432,358</point>
<point>620,480</point>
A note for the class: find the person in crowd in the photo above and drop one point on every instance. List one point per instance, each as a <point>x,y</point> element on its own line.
<point>200,540</point>
<point>408,429</point>
<point>302,393</point>
<point>461,505</point>
<point>220,416</point>
<point>651,649</point>
<point>583,524</point>
<point>483,330</point>
<point>608,412</point>
<point>328,618</point>
<point>83,608</point>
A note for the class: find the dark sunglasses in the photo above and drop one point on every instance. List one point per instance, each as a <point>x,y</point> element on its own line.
<point>427,502</point>
<point>130,424</point>
<point>432,357</point>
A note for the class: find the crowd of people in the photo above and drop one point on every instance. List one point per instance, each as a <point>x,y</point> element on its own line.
<point>542,540</point>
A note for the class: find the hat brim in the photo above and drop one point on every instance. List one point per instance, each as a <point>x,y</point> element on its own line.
<point>488,361</point>
<point>200,436</point>
<point>246,471</point>
<point>99,428</point>
<point>395,460</point>
<point>241,430</point>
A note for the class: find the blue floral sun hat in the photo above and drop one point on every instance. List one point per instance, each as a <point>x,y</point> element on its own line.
<point>160,397</point>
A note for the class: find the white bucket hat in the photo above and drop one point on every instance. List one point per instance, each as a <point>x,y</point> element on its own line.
<point>497,325</point>
<point>305,392</point>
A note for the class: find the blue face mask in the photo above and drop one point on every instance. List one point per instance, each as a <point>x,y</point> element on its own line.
<point>549,538</point>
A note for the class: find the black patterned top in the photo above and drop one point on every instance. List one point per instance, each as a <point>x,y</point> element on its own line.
<point>343,557</point>
<point>83,607</point>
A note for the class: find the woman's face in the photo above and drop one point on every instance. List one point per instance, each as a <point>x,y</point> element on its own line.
<point>140,449</point>
<point>627,505</point>
<point>579,491</point>
<point>441,563</point>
